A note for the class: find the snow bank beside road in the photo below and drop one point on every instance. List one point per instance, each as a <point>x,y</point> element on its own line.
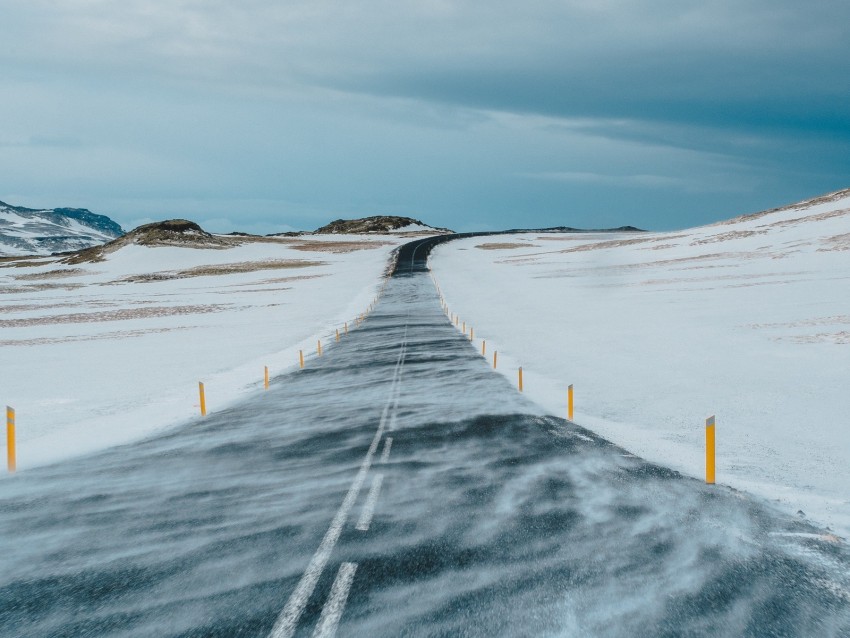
<point>748,320</point>
<point>97,354</point>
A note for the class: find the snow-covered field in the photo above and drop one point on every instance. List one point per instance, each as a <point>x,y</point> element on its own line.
<point>97,354</point>
<point>747,319</point>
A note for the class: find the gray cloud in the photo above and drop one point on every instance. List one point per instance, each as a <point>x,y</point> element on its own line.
<point>428,107</point>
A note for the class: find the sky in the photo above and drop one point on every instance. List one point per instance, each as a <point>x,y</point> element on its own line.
<point>270,115</point>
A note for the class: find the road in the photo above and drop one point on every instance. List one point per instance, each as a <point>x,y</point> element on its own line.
<point>397,486</point>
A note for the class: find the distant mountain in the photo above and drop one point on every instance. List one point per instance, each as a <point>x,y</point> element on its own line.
<point>378,224</point>
<point>29,231</point>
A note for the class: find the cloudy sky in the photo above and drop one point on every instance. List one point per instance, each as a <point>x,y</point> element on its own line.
<point>264,115</point>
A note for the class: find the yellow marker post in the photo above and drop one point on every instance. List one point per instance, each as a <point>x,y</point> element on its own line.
<point>520,378</point>
<point>266,377</point>
<point>464,327</point>
<point>301,357</point>
<point>570,402</point>
<point>709,450</point>
<point>337,334</point>
<point>11,461</point>
<point>471,334</point>
<point>203,398</point>
<point>319,347</point>
<point>484,348</point>
<point>495,358</point>
<point>457,320</point>
<point>346,327</point>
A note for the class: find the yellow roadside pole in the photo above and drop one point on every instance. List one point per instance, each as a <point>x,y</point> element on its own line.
<point>709,450</point>
<point>203,398</point>
<point>11,460</point>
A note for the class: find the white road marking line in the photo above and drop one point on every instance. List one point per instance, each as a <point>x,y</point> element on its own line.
<point>371,500</point>
<point>335,605</point>
<point>385,455</point>
<point>287,621</point>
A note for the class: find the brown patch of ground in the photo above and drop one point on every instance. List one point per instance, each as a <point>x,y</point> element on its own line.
<point>275,280</point>
<point>32,306</point>
<point>336,246</point>
<point>53,274</point>
<point>839,338</point>
<point>816,321</point>
<point>113,315</point>
<point>612,243</point>
<point>220,269</point>
<point>696,258</point>
<point>25,261</point>
<point>809,218</point>
<point>505,246</point>
<point>836,242</point>
<point>11,290</point>
<point>768,279</point>
<point>119,334</point>
<point>230,292</point>
<point>732,256</point>
<point>733,234</point>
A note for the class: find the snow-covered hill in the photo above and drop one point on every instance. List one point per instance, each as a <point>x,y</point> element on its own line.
<point>28,231</point>
<point>379,224</point>
<point>747,319</point>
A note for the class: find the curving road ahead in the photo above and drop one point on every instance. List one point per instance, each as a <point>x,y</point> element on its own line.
<point>398,487</point>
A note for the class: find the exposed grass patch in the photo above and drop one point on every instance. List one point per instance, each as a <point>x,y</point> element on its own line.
<point>504,246</point>
<point>53,274</point>
<point>220,269</point>
<point>113,315</point>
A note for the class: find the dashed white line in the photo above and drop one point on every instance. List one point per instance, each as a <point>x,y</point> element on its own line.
<point>371,500</point>
<point>385,455</point>
<point>335,605</point>
<point>287,621</point>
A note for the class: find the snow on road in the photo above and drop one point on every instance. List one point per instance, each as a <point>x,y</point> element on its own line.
<point>747,319</point>
<point>98,354</point>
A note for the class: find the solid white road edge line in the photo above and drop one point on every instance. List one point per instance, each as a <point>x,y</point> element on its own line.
<point>335,605</point>
<point>371,500</point>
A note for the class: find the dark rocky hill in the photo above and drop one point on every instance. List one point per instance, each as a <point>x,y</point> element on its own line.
<point>171,232</point>
<point>377,224</point>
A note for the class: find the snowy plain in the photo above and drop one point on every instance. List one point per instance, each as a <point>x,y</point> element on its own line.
<point>100,354</point>
<point>748,320</point>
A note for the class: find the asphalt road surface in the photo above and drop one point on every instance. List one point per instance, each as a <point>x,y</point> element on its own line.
<point>397,486</point>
